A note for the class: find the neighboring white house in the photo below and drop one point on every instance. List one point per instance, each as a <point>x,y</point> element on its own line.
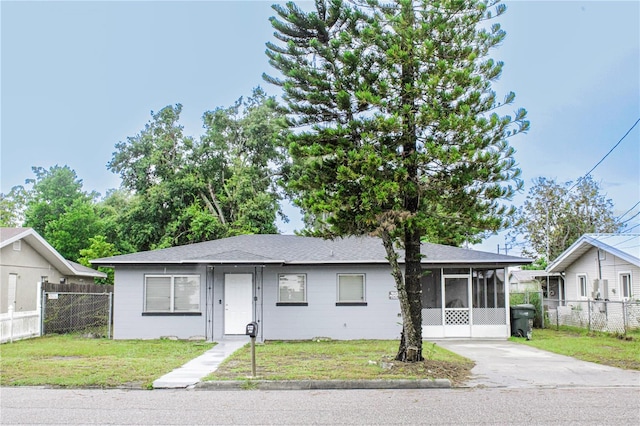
<point>601,267</point>
<point>26,259</point>
<point>300,288</point>
<point>550,284</point>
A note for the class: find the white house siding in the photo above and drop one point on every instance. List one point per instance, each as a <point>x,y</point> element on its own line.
<point>129,321</point>
<point>30,267</point>
<point>610,269</point>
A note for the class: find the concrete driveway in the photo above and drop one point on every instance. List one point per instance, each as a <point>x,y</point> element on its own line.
<point>513,365</point>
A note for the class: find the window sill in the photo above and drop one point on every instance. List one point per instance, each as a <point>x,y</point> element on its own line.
<point>292,304</point>
<point>172,314</point>
<point>351,303</point>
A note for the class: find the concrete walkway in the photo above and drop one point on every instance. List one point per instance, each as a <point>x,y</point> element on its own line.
<point>194,370</point>
<point>508,364</point>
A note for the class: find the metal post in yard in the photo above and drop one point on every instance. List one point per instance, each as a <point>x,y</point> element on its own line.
<point>624,317</point>
<point>541,299</point>
<point>110,315</point>
<point>253,356</point>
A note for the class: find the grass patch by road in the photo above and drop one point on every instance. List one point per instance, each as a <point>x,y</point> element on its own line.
<point>346,360</point>
<point>73,361</point>
<point>602,348</point>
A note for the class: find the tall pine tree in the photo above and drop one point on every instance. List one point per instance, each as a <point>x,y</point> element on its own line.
<point>397,133</point>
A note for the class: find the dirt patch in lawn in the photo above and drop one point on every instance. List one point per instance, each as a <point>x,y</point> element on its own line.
<point>457,372</point>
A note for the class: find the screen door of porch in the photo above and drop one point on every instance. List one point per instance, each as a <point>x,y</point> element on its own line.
<point>238,292</point>
<point>456,312</point>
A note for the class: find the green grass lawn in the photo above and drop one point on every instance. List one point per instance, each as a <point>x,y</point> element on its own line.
<point>606,349</point>
<point>347,360</point>
<point>72,361</point>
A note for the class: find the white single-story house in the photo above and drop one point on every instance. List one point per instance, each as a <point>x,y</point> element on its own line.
<point>26,260</point>
<point>601,267</point>
<point>301,287</point>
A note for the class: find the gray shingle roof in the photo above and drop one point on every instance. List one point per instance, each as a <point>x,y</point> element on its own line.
<point>293,249</point>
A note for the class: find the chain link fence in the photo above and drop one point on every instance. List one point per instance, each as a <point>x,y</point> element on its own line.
<point>594,315</point>
<point>89,314</point>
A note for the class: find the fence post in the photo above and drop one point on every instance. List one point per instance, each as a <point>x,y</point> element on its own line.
<point>589,314</point>
<point>39,306</point>
<point>541,299</point>
<point>624,317</point>
<point>10,311</point>
<point>110,315</point>
<point>43,312</point>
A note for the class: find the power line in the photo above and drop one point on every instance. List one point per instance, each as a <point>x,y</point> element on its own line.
<point>625,213</point>
<point>610,151</point>
<point>633,227</point>
<point>632,217</point>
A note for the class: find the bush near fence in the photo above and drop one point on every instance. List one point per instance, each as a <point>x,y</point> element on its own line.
<point>530,297</point>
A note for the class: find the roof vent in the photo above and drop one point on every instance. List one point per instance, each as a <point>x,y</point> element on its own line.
<point>17,245</point>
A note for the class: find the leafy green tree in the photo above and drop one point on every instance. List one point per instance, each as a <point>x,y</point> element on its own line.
<point>113,210</point>
<point>397,130</point>
<point>99,248</point>
<point>71,232</point>
<point>554,215</point>
<point>59,210</point>
<point>53,191</point>
<point>12,207</point>
<point>183,191</point>
<point>238,162</point>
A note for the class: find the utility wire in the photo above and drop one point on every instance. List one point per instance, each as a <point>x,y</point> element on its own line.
<point>632,217</point>
<point>610,151</point>
<point>625,213</point>
<point>633,227</point>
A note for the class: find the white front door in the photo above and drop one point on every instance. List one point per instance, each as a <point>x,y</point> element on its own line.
<point>238,292</point>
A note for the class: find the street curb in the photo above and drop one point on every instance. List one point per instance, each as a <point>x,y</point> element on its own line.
<point>321,384</point>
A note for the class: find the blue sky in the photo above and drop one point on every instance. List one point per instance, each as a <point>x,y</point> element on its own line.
<point>77,77</point>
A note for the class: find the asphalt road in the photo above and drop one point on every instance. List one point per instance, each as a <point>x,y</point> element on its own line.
<point>521,406</point>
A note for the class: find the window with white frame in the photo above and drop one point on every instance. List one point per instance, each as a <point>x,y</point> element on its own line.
<point>172,293</point>
<point>582,285</point>
<point>292,288</point>
<point>625,285</point>
<point>351,288</point>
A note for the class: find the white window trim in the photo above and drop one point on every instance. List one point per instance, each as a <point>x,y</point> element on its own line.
<point>172,292</point>
<point>579,287</point>
<point>364,288</point>
<point>305,288</point>
<point>621,288</point>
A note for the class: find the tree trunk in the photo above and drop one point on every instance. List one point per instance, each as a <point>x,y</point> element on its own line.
<point>412,336</point>
<point>409,297</point>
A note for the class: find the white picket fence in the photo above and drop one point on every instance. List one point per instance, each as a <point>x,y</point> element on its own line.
<point>19,325</point>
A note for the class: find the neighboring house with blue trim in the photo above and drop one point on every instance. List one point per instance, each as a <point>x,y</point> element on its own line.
<point>301,287</point>
<point>601,267</point>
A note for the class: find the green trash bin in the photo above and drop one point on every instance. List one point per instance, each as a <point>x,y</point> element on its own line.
<point>522,320</point>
